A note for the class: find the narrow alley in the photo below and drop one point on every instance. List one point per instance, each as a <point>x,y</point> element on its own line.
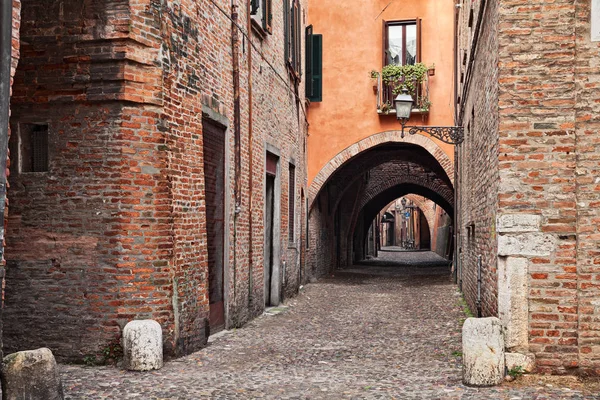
<point>388,328</point>
<point>299,199</point>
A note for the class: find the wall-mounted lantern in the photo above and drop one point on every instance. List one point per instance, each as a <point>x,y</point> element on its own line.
<point>447,134</point>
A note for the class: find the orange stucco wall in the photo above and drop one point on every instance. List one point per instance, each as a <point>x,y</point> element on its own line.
<point>352,47</point>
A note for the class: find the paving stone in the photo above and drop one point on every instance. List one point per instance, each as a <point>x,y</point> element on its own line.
<point>371,332</point>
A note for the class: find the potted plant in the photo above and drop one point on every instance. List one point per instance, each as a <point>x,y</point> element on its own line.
<point>375,77</point>
<point>424,104</point>
<point>431,70</point>
<point>394,78</point>
<point>386,107</point>
<point>400,76</point>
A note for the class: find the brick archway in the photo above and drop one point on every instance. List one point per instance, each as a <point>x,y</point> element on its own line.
<point>370,142</point>
<point>375,203</point>
<point>396,180</point>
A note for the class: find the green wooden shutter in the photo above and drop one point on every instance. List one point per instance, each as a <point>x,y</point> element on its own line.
<point>286,27</point>
<point>316,76</point>
<point>270,16</point>
<point>267,16</point>
<point>294,36</point>
<point>309,52</point>
<point>298,22</point>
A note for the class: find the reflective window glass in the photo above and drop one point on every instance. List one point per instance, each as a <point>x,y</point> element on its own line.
<point>395,44</point>
<point>411,45</point>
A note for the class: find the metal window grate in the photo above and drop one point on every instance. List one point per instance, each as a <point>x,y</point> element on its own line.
<point>39,148</point>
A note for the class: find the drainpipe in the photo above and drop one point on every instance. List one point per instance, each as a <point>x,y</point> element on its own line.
<point>456,188</point>
<point>457,7</point>
<point>237,134</point>
<point>479,262</point>
<point>251,161</point>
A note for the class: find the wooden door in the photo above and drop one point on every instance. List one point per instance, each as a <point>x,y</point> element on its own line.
<point>214,182</point>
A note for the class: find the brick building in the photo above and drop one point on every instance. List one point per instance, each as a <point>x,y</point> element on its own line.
<point>156,147</point>
<point>528,97</point>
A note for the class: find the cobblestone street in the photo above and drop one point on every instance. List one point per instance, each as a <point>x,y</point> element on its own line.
<point>387,329</point>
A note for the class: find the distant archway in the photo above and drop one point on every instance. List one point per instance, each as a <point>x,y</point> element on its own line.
<point>426,207</point>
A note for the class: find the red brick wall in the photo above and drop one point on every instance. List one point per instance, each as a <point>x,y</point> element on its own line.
<point>477,174</point>
<point>74,255</point>
<point>184,169</point>
<point>537,157</point>
<point>587,147</point>
<point>546,193</point>
<point>115,230</point>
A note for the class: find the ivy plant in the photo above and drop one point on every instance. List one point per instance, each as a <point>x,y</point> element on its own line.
<point>404,76</point>
<point>400,76</point>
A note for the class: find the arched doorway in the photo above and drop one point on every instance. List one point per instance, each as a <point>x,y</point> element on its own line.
<point>351,191</point>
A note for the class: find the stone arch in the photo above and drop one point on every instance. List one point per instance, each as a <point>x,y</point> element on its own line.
<point>396,180</point>
<point>378,200</point>
<point>370,142</point>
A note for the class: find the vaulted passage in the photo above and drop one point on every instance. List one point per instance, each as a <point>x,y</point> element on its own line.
<point>391,194</point>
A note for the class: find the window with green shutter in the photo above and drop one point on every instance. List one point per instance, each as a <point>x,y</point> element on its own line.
<point>314,66</point>
<point>286,27</point>
<point>293,36</point>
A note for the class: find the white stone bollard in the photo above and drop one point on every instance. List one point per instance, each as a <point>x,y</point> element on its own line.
<point>483,352</point>
<point>31,375</point>
<point>142,346</point>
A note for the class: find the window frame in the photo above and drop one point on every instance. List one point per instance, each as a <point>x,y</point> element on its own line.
<point>403,23</point>
<point>293,37</point>
<point>263,22</point>
<point>30,148</point>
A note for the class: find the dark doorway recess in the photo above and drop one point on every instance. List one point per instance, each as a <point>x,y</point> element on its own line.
<point>425,236</point>
<point>271,281</point>
<point>214,182</point>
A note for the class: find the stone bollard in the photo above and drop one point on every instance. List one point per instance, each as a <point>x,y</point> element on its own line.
<point>483,352</point>
<point>142,346</point>
<point>31,375</point>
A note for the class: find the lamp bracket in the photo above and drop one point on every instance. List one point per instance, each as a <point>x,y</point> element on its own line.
<point>447,134</point>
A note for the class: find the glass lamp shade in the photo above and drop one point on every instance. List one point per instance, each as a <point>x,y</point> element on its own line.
<point>403,104</point>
